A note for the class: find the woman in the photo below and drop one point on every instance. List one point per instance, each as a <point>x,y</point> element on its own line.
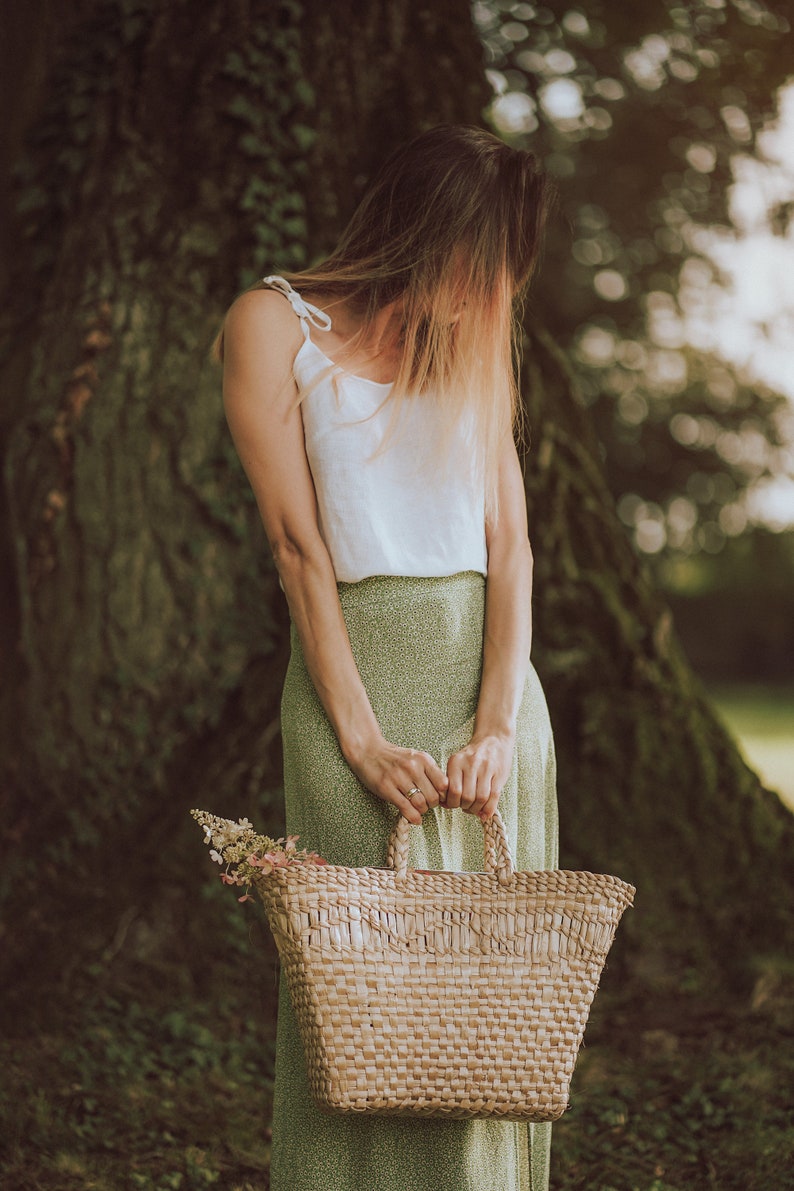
<point>372,402</point>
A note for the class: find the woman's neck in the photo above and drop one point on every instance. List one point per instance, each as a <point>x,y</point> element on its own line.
<point>378,355</point>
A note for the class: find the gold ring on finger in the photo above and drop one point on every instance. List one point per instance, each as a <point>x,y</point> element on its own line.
<point>413,792</point>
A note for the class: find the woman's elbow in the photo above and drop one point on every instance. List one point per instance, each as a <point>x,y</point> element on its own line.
<point>294,556</point>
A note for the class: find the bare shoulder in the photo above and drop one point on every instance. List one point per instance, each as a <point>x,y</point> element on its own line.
<point>261,323</point>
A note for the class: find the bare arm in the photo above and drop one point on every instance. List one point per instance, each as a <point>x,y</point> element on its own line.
<point>478,772</point>
<point>261,339</point>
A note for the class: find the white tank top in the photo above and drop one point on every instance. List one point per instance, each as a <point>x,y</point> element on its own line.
<point>395,513</point>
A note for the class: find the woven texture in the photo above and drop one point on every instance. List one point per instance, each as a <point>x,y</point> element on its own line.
<point>418,647</point>
<point>370,955</point>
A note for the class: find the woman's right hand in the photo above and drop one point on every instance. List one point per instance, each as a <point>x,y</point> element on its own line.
<point>390,771</point>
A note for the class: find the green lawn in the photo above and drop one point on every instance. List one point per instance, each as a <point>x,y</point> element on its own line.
<point>118,1094</point>
<point>762,720</point>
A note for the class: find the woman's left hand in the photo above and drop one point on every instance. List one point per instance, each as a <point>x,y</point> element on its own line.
<point>478,773</point>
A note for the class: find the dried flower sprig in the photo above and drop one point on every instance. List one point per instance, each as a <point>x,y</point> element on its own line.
<point>247,854</point>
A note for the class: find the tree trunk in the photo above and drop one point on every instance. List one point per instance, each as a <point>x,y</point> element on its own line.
<point>651,786</point>
<point>173,162</point>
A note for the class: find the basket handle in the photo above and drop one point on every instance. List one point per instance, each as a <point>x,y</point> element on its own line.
<point>497,848</point>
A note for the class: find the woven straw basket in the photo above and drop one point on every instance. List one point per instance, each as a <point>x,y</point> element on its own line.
<point>441,993</point>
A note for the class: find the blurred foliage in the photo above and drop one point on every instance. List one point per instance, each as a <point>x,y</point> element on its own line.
<point>639,110</point>
<point>759,717</point>
<point>735,612</point>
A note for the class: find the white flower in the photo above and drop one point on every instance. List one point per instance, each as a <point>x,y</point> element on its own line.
<point>236,844</point>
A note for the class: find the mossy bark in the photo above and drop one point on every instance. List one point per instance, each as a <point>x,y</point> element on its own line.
<point>173,160</point>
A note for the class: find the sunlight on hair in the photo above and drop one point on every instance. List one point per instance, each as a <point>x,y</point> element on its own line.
<point>448,235</point>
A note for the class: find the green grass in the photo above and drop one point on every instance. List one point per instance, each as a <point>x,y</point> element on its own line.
<point>683,1097</point>
<point>128,1093</point>
<point>761,718</point>
<point>119,1096</point>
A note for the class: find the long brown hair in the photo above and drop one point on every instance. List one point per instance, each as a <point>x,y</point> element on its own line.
<point>452,227</point>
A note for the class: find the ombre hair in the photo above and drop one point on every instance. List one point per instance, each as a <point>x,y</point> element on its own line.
<point>451,227</point>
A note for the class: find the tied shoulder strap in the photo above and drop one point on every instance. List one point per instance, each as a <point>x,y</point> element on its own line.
<point>308,314</point>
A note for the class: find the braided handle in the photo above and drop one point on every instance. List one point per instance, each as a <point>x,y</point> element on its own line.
<point>497,848</point>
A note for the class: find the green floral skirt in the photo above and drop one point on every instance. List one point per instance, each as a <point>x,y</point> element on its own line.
<point>418,646</point>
